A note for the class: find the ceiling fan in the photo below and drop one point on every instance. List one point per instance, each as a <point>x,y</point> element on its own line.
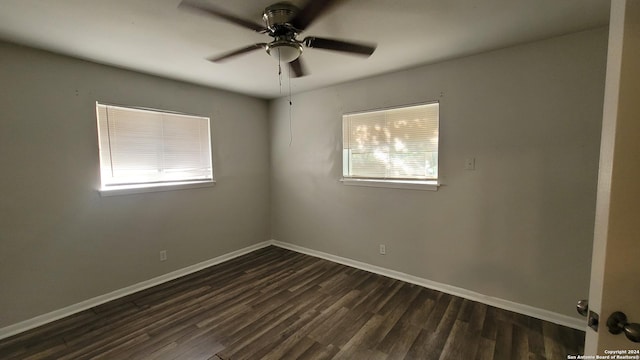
<point>283,22</point>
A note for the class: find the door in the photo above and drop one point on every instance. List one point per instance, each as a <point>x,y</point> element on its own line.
<point>615,270</point>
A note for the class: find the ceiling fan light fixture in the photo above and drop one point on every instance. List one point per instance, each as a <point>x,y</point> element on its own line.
<point>284,51</point>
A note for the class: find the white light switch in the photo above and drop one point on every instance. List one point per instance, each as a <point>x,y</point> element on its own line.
<point>470,164</point>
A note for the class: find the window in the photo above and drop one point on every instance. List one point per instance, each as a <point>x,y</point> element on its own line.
<point>150,149</point>
<point>395,147</point>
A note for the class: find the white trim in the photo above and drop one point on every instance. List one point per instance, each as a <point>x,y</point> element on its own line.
<point>576,323</point>
<point>431,185</point>
<point>98,300</point>
<point>146,188</point>
<point>572,322</point>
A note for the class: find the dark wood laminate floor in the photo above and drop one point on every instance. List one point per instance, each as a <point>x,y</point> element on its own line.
<point>278,304</point>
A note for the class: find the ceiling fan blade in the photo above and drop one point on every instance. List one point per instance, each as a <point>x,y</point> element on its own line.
<point>244,50</point>
<point>215,11</point>
<point>309,13</point>
<point>298,68</point>
<point>339,45</point>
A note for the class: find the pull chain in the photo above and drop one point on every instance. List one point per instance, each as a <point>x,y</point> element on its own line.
<point>290,106</point>
<point>279,72</point>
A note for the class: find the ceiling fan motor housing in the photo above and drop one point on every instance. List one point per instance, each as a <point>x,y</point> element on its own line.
<point>284,47</point>
<point>277,16</point>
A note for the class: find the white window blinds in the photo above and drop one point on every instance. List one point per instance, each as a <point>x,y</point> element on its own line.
<point>398,143</point>
<point>151,147</point>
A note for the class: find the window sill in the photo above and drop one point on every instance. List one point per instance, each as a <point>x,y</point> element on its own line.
<point>146,188</point>
<point>430,185</point>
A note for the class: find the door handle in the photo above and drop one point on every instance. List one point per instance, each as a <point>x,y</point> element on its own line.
<point>583,307</point>
<point>618,323</point>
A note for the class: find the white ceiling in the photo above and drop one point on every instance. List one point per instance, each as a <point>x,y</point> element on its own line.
<point>155,37</point>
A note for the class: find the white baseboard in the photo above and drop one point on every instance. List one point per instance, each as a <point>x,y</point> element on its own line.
<point>576,323</point>
<point>98,300</point>
<point>542,314</point>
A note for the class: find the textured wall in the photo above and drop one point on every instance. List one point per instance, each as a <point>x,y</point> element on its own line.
<point>519,227</point>
<point>60,242</point>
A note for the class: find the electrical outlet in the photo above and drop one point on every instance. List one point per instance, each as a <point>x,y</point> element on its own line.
<point>383,249</point>
<point>163,255</point>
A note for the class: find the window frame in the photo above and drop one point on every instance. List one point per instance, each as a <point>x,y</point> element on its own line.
<point>150,186</point>
<point>397,183</point>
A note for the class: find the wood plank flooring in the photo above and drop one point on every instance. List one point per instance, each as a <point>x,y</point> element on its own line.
<point>278,304</point>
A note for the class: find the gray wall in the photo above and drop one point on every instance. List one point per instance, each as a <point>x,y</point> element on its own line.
<point>519,227</point>
<point>60,242</point>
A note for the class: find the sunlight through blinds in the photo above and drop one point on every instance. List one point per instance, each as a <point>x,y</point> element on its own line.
<point>149,147</point>
<point>398,143</point>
